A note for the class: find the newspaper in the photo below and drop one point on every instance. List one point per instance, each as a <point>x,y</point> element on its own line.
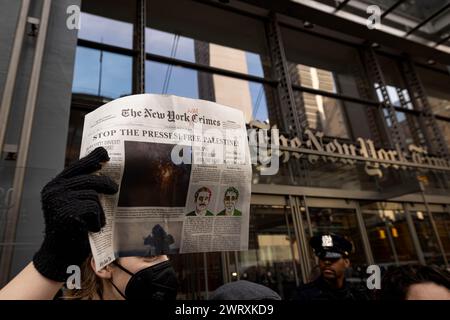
<point>184,175</point>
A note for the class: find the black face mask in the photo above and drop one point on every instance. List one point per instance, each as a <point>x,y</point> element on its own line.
<point>157,282</point>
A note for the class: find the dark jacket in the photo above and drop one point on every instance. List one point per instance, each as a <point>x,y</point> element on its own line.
<point>320,290</point>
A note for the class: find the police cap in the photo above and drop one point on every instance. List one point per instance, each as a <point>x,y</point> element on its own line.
<point>330,246</point>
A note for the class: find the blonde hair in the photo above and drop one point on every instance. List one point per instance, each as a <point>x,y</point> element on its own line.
<point>91,285</point>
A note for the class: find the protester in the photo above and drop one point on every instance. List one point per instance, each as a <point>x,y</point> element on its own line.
<point>415,282</point>
<point>333,252</point>
<point>72,209</point>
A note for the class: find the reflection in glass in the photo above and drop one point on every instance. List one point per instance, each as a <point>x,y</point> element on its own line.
<point>334,79</point>
<point>193,50</point>
<point>440,106</point>
<point>168,79</point>
<point>427,238</point>
<point>101,73</point>
<point>323,64</point>
<point>388,234</point>
<point>249,97</point>
<point>409,127</point>
<point>106,30</point>
<point>436,87</point>
<point>169,45</point>
<point>324,114</point>
<point>445,129</point>
<point>393,80</point>
<point>396,95</point>
<point>442,221</point>
<point>272,258</point>
<point>316,78</point>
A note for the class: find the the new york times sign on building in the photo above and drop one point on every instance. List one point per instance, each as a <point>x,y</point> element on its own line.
<point>313,147</point>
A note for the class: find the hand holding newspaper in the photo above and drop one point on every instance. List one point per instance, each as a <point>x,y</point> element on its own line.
<point>184,172</point>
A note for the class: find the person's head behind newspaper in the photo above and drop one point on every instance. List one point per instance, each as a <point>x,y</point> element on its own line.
<point>244,290</point>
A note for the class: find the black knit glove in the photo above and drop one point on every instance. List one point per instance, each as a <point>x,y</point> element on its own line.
<point>71,209</point>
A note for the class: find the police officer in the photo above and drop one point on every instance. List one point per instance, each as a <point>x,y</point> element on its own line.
<point>333,253</point>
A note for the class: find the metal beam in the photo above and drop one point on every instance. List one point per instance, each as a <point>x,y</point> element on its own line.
<point>443,40</point>
<point>300,236</point>
<point>442,118</point>
<point>8,90</point>
<point>315,192</point>
<point>294,265</point>
<point>434,15</point>
<point>391,8</point>
<point>177,62</point>
<point>341,5</point>
<point>429,127</point>
<point>292,117</point>
<point>139,46</point>
<point>106,47</point>
<point>335,96</point>
<point>433,225</point>
<point>12,216</point>
<point>363,232</point>
<point>229,8</point>
<point>205,68</point>
<point>414,237</point>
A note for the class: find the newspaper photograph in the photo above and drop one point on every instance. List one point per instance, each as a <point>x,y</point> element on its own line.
<point>184,175</point>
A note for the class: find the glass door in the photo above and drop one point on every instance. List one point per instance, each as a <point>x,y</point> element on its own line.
<point>339,217</point>
<point>273,258</point>
<point>389,232</point>
<point>442,220</point>
<point>431,239</point>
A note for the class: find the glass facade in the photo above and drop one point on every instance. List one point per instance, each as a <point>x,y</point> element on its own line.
<point>98,28</point>
<point>232,62</point>
<point>272,259</point>
<point>389,234</point>
<point>442,221</point>
<point>427,237</point>
<point>203,52</point>
<point>248,96</point>
<point>103,74</point>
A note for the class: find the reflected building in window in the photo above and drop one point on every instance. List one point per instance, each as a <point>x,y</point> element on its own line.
<point>221,89</point>
<point>323,114</point>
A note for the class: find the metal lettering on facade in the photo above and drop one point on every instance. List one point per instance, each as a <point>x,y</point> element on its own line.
<point>314,149</point>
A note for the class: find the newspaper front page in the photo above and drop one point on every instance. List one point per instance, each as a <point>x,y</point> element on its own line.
<point>184,175</point>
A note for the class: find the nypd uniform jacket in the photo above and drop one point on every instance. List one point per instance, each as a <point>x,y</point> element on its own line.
<point>321,290</point>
